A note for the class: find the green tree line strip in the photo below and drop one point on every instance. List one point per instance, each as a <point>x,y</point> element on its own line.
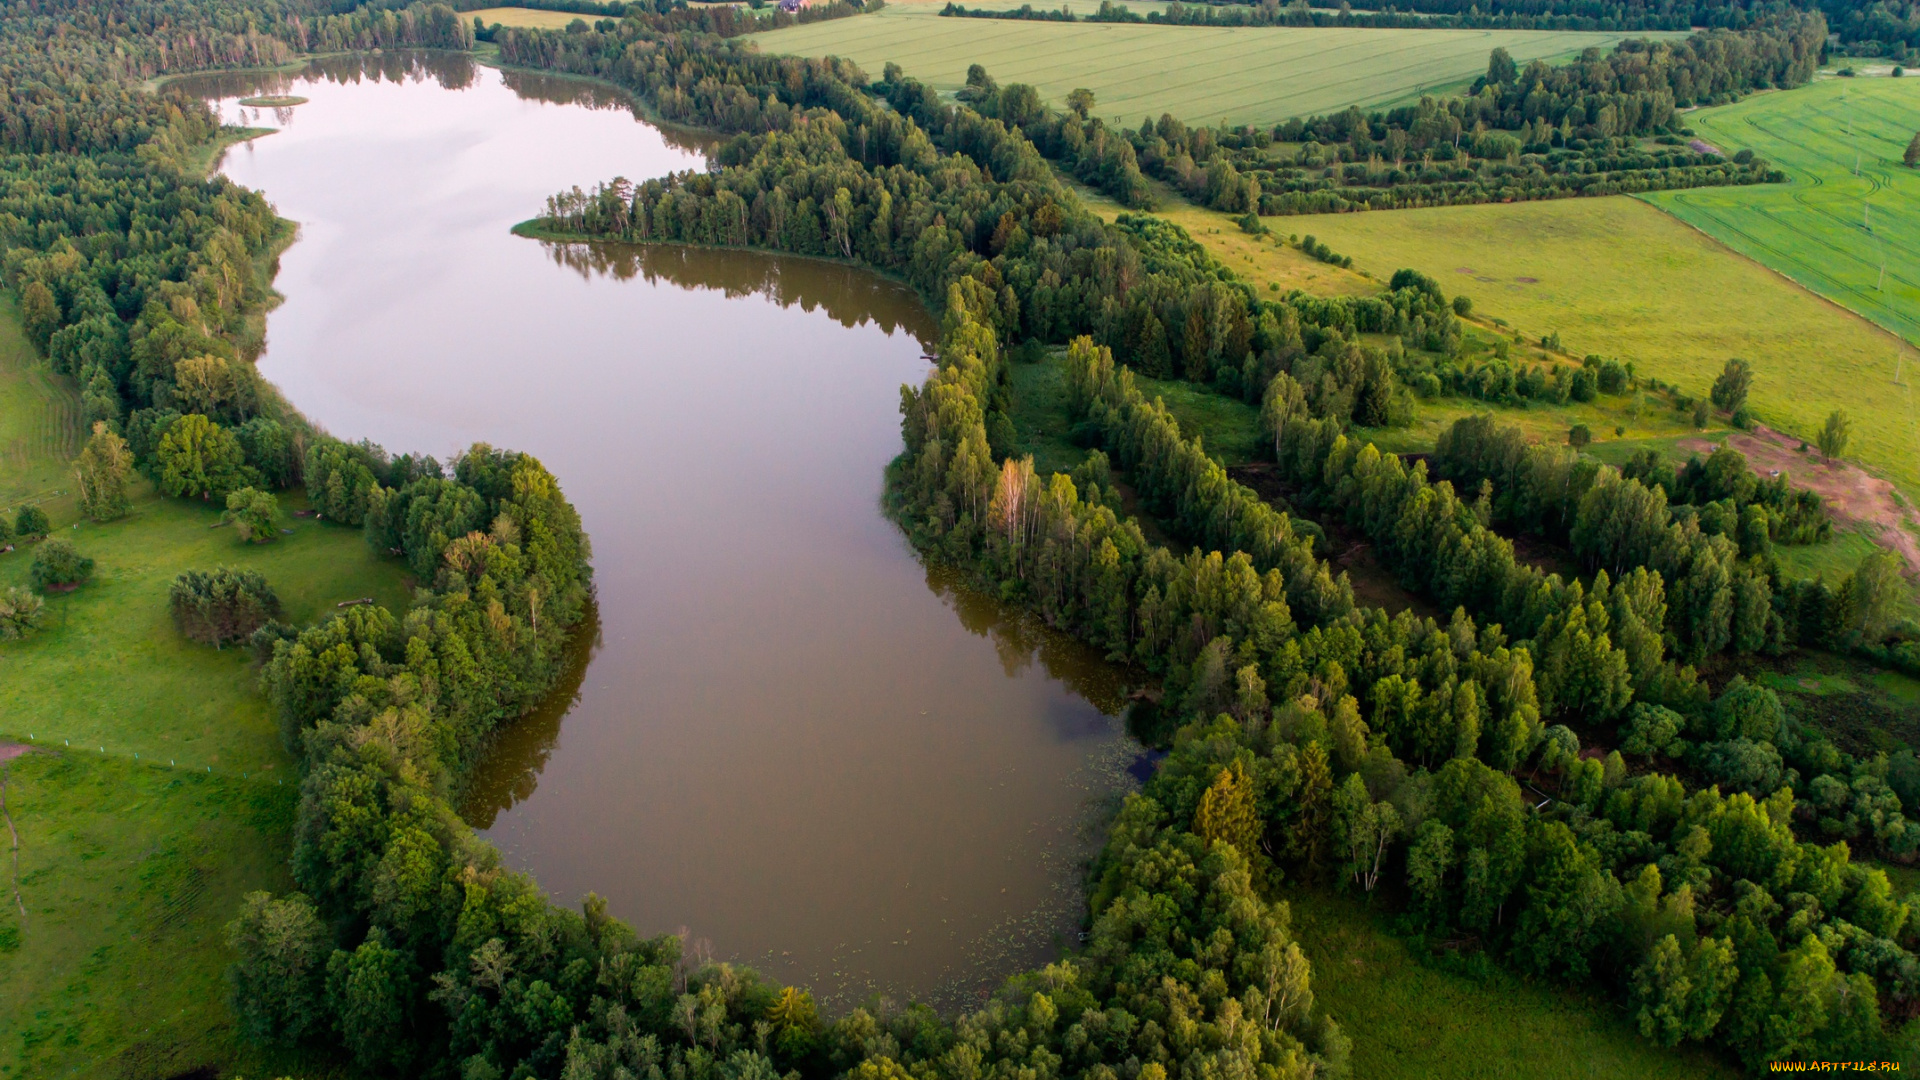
<point>1534,133</point>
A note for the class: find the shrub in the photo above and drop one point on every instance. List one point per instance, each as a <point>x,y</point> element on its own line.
<point>31,521</point>
<point>1579,435</point>
<point>20,613</point>
<point>58,566</point>
<point>1463,306</point>
<point>254,513</point>
<point>222,605</point>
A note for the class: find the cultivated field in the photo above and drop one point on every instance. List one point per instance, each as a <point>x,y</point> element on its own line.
<point>1617,277</point>
<point>1848,227</point>
<point>526,18</point>
<point>1258,75</point>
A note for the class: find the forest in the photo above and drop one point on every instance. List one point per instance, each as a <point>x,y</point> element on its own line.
<point>1338,742</point>
<point>1702,870</point>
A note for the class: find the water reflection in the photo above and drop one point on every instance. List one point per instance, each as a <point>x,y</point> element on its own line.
<point>848,295</point>
<point>786,734</point>
<point>447,70</point>
<point>510,768</point>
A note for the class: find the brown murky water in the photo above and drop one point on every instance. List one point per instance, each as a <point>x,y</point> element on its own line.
<point>785,734</point>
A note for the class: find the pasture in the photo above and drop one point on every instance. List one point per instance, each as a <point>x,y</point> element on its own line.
<point>1203,75</point>
<point>1617,277</point>
<point>1848,226</point>
<point>156,790</point>
<point>525,18</point>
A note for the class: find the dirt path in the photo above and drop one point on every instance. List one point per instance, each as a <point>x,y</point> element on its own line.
<point>1853,497</point>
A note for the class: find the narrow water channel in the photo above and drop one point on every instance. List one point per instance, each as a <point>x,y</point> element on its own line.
<point>788,738</point>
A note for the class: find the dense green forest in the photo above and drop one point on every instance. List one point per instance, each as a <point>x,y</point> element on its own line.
<point>1337,742</point>
<point>1312,738</point>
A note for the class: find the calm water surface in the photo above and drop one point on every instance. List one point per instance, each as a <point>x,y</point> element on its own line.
<point>785,736</point>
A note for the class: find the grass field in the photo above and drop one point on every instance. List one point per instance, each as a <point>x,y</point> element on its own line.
<point>129,873</point>
<point>1412,1020</point>
<point>526,18</point>
<point>1257,75</point>
<point>1618,277</point>
<point>1832,229</point>
<point>131,866</point>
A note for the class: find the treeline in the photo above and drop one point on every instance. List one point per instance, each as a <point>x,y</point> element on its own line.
<point>720,19</point>
<point>1298,13</point>
<point>1345,744</point>
<point>1537,132</point>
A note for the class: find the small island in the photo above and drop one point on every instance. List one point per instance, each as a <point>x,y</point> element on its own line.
<point>273,101</point>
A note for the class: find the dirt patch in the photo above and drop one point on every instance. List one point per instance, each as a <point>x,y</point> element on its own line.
<point>1852,496</point>
<point>11,750</point>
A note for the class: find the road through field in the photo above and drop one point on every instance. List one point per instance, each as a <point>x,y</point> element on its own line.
<point>1259,75</point>
<point>1848,225</point>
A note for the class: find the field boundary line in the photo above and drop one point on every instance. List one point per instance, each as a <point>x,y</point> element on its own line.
<point>5,770</point>
<point>1905,342</point>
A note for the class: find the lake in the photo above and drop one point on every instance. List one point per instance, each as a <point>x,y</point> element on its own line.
<point>785,736</point>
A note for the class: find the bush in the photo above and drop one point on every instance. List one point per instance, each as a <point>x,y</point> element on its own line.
<point>31,522</point>
<point>20,613</point>
<point>1463,306</point>
<point>218,606</point>
<point>254,513</point>
<point>1578,436</point>
<point>58,566</point>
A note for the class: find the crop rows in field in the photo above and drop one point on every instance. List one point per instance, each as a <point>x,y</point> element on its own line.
<point>1200,74</point>
<point>1848,226</point>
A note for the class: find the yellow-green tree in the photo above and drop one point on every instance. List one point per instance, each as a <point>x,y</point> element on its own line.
<point>1227,814</point>
<point>101,472</point>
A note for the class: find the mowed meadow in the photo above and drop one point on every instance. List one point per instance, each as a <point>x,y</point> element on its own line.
<point>1203,75</point>
<point>156,791</point>
<point>1618,277</point>
<point>1848,226</point>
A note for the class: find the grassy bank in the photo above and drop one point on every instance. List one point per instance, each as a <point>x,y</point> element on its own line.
<point>130,867</point>
<point>1259,75</point>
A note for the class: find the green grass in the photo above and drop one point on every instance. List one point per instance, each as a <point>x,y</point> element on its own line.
<point>131,866</point>
<point>1257,75</point>
<point>129,873</point>
<point>1816,229</point>
<point>1617,277</point>
<point>1413,1020</point>
<point>1229,428</point>
<point>40,423</point>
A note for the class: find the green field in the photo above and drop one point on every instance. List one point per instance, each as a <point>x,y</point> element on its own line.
<point>1617,277</point>
<point>1851,236</point>
<point>1413,1020</point>
<point>1257,75</point>
<point>130,866</point>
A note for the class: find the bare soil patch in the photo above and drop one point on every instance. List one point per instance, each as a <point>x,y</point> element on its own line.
<point>11,750</point>
<point>1852,496</point>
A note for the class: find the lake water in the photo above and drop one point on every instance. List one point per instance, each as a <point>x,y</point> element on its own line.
<point>786,736</point>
